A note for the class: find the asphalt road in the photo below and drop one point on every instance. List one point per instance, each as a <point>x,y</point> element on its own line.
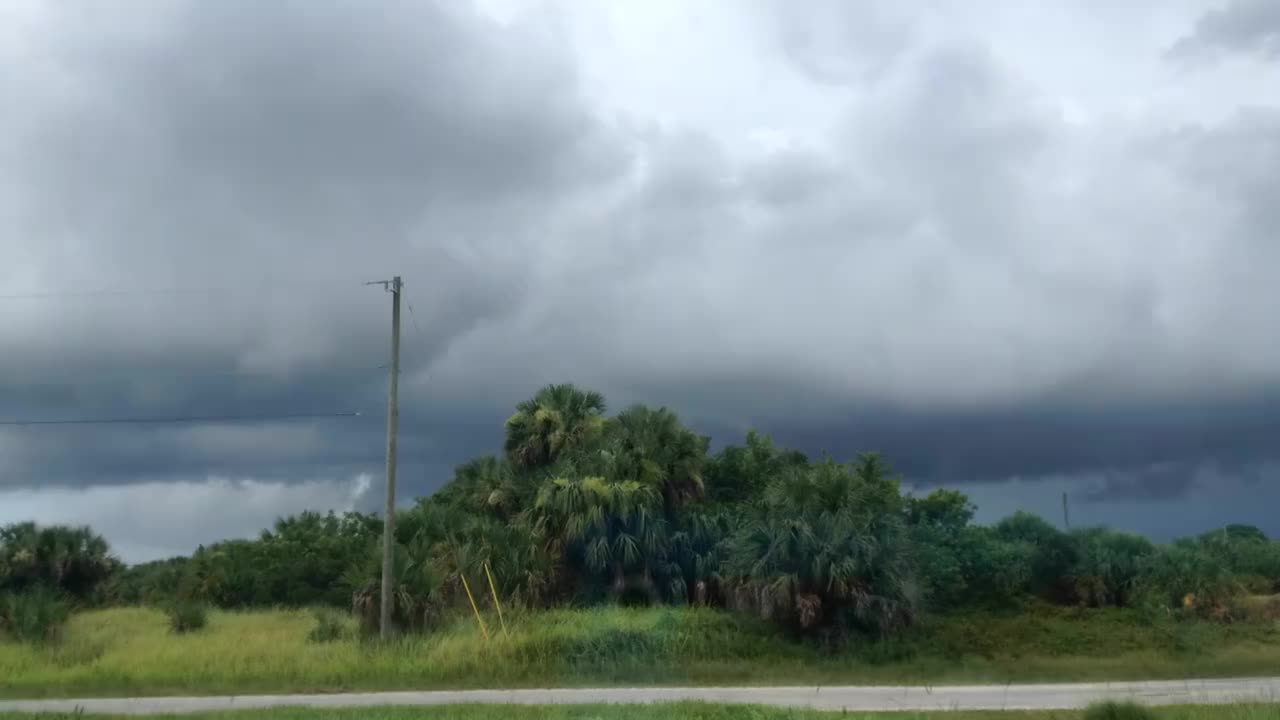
<point>970,697</point>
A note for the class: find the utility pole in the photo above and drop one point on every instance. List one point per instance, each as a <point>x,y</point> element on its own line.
<point>393,425</point>
<point>1066,517</point>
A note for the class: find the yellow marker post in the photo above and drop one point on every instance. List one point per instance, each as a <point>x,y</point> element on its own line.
<point>483,630</point>
<point>494,591</point>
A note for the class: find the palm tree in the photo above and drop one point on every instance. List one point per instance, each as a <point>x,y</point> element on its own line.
<point>613,529</point>
<point>828,548</point>
<point>556,421</point>
<point>488,485</point>
<point>662,452</point>
<point>417,596</point>
<point>74,560</point>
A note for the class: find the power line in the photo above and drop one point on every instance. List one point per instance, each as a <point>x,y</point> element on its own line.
<point>150,373</point>
<point>108,293</point>
<point>177,419</point>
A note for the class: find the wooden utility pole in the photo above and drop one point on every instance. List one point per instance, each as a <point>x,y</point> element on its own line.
<point>1066,516</point>
<point>393,425</point>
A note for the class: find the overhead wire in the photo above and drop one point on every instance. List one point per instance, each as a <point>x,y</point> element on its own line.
<point>177,419</point>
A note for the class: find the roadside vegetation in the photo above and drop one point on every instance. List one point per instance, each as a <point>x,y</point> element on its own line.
<point>132,651</point>
<point>705,711</point>
<point>621,550</point>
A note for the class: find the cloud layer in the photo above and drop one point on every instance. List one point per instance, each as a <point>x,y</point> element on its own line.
<point>991,254</point>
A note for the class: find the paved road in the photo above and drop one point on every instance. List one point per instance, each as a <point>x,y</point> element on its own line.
<point>972,697</point>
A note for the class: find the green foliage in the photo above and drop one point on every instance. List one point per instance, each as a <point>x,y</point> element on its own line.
<point>129,651</point>
<point>1118,711</point>
<point>35,615</point>
<point>73,560</point>
<point>959,564</point>
<point>971,567</point>
<point>301,561</point>
<point>947,510</point>
<point>488,486</point>
<point>739,474</point>
<point>1186,577</point>
<point>583,509</point>
<point>1234,532</point>
<point>150,583</point>
<point>44,573</point>
<point>329,627</point>
<point>1107,566</point>
<point>828,551</point>
<point>187,616</point>
<point>660,452</point>
<point>1246,553</point>
<point>418,595</point>
<point>1052,553</point>
<point>555,422</point>
<point>613,531</point>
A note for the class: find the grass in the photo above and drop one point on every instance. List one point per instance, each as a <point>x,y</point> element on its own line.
<point>130,651</point>
<point>681,711</point>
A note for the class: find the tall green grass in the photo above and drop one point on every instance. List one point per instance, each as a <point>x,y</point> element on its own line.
<point>130,651</point>
<point>680,711</point>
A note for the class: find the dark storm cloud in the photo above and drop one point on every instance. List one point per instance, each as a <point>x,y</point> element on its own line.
<point>277,154</point>
<point>1248,26</point>
<point>940,260</point>
<point>1159,482</point>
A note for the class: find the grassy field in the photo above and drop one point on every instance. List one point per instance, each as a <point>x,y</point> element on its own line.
<point>130,651</point>
<point>683,711</point>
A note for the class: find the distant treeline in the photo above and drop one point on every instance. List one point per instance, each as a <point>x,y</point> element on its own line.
<point>582,508</point>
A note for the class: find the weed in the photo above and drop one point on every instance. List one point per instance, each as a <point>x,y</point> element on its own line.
<point>185,617</point>
<point>35,616</point>
<point>131,651</point>
<point>330,627</point>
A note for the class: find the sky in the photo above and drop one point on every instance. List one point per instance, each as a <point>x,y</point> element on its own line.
<point>1022,249</point>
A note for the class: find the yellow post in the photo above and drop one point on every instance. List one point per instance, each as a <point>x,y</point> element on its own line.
<point>494,591</point>
<point>483,630</point>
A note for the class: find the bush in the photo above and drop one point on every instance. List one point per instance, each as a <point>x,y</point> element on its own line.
<point>1118,711</point>
<point>1052,553</point>
<point>1184,576</point>
<point>73,561</point>
<point>35,616</point>
<point>416,599</point>
<point>827,553</point>
<point>330,627</point>
<point>1107,566</point>
<point>185,617</point>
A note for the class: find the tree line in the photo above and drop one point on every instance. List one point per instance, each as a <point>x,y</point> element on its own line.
<point>581,508</point>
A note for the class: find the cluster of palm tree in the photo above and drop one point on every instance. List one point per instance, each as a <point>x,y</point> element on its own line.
<point>74,561</point>
<point>45,572</point>
<point>584,508</point>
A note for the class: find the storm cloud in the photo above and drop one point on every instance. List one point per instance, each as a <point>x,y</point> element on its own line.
<point>1009,249</point>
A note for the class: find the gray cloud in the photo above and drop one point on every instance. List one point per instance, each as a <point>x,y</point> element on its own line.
<point>1248,26</point>
<point>915,245</point>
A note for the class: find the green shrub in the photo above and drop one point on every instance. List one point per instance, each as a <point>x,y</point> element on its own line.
<point>1107,566</point>
<point>330,627</point>
<point>827,553</point>
<point>1118,711</point>
<point>34,616</point>
<point>185,617</point>
<point>1186,577</point>
<point>1052,553</point>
